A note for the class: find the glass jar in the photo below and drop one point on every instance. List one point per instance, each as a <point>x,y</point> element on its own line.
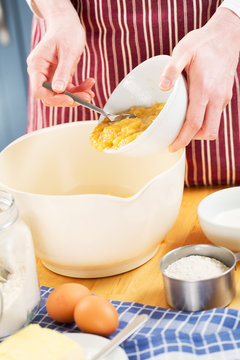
<point>19,288</point>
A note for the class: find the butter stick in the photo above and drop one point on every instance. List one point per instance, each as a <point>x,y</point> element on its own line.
<point>35,342</point>
<point>72,354</point>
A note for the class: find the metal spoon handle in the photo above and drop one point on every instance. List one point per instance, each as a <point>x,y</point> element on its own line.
<point>121,336</point>
<point>48,85</point>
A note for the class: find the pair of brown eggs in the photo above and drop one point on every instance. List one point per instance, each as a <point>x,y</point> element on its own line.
<point>92,313</point>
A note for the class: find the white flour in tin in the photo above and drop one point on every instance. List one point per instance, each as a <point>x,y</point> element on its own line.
<point>195,267</point>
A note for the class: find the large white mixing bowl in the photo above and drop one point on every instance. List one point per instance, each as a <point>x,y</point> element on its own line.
<point>91,214</point>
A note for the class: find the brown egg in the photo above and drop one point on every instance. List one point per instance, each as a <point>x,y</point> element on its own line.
<point>96,315</point>
<point>63,299</point>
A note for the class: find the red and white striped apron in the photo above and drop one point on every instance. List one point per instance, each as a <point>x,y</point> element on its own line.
<point>120,35</point>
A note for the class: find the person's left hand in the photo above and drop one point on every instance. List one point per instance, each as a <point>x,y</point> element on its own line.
<point>210,56</point>
<point>56,56</point>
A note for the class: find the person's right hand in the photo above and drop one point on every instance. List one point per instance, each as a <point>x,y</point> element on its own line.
<point>56,57</point>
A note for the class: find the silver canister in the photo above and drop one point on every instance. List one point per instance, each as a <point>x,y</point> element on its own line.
<point>190,295</point>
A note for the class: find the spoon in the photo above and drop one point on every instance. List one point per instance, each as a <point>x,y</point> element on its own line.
<point>112,344</point>
<point>121,336</point>
<point>90,106</point>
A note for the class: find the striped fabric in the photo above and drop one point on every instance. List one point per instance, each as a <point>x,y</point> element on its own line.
<point>168,334</point>
<point>120,35</point>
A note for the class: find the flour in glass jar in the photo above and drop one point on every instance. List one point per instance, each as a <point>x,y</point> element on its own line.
<point>195,267</point>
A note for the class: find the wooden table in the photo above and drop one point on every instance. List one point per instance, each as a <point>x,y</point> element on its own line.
<point>145,284</point>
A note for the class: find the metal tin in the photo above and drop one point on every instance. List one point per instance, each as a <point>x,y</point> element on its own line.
<point>200,294</point>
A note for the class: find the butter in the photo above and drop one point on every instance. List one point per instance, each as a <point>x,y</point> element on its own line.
<point>37,343</point>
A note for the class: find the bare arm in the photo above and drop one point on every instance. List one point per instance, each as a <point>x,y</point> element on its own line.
<point>210,57</point>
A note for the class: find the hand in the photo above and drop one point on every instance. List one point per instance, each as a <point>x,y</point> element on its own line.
<point>56,56</point>
<point>210,56</point>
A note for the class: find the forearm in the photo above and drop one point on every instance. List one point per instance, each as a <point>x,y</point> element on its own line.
<point>52,9</point>
<point>227,22</point>
<point>233,5</point>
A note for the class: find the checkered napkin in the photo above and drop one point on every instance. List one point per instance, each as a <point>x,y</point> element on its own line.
<point>168,334</point>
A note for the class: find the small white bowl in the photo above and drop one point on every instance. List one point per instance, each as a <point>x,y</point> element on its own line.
<point>141,88</point>
<point>219,216</point>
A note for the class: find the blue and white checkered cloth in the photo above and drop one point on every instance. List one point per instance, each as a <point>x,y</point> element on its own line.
<point>168,334</point>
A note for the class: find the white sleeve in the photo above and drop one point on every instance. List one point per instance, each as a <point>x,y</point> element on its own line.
<point>34,8</point>
<point>233,5</point>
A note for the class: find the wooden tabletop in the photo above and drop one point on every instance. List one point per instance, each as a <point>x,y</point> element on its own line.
<point>145,284</point>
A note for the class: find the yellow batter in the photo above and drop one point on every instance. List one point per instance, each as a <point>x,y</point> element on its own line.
<point>113,135</point>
